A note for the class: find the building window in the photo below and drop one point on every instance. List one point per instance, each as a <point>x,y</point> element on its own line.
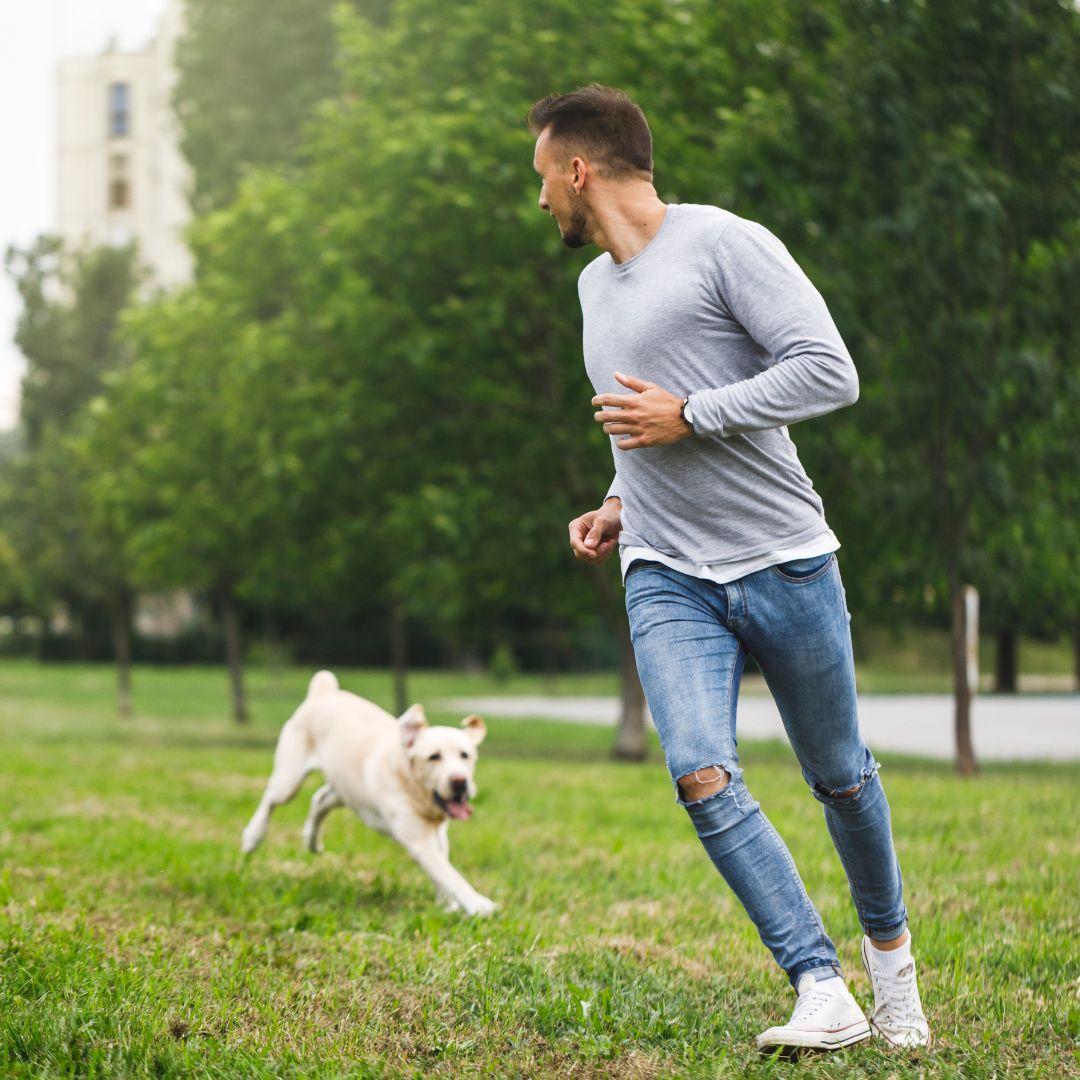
<point>119,185</point>
<point>119,109</point>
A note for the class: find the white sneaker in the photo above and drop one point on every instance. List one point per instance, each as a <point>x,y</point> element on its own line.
<point>898,1017</point>
<point>826,1017</point>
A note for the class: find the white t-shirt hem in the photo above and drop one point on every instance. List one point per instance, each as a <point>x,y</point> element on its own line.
<point>722,573</point>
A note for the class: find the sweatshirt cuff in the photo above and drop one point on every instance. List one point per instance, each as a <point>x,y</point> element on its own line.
<point>706,410</point>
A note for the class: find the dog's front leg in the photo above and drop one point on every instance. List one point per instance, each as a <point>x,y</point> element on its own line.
<point>427,852</point>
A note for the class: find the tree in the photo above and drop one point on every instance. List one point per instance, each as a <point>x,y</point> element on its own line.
<point>938,173</point>
<point>447,305</point>
<point>68,332</point>
<point>469,336</point>
<point>67,328</point>
<point>249,75</point>
<point>211,445</point>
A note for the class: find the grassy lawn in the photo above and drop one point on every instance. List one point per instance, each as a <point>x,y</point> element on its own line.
<point>134,941</point>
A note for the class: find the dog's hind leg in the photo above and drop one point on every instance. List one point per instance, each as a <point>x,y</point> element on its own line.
<point>322,802</point>
<point>292,762</point>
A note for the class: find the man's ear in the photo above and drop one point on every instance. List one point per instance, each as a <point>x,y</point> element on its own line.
<point>411,722</point>
<point>475,728</point>
<point>581,171</point>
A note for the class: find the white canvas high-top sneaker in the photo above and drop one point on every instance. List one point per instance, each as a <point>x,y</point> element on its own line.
<point>826,1017</point>
<point>898,1017</point>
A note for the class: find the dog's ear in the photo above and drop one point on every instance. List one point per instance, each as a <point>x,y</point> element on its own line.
<point>475,728</point>
<point>412,722</point>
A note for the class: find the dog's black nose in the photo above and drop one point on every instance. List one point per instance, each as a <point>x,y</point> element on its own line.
<point>459,785</point>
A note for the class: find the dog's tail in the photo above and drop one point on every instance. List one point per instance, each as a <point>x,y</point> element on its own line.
<point>322,682</point>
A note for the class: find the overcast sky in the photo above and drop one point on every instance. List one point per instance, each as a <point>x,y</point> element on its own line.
<point>33,36</point>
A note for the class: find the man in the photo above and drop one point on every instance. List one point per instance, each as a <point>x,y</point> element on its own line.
<point>704,340</point>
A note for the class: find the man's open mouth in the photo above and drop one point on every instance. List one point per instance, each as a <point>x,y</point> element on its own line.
<point>459,808</point>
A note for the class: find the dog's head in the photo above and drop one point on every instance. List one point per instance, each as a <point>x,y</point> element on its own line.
<point>443,759</point>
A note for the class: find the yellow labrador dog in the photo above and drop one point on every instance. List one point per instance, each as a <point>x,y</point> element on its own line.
<point>401,777</point>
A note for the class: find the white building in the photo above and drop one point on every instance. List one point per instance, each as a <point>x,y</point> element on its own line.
<point>120,174</point>
<point>120,177</point>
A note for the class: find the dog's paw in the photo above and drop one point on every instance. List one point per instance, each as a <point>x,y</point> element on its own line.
<point>312,842</point>
<point>248,843</point>
<point>482,907</point>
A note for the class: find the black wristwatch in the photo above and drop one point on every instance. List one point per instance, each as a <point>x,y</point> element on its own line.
<point>685,412</point>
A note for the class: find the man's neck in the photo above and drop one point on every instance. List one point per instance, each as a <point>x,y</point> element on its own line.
<point>624,226</point>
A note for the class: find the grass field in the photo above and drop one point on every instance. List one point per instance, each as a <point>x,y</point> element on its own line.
<point>135,942</point>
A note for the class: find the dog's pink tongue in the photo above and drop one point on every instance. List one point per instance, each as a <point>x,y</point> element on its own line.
<point>461,811</point>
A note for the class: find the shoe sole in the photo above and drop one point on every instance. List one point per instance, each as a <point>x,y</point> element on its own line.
<point>874,1028</point>
<point>792,1045</point>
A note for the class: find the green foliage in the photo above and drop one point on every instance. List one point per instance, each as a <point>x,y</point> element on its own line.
<point>67,327</point>
<point>60,546</point>
<point>455,302</point>
<point>250,73</point>
<point>919,158</point>
<point>373,388</point>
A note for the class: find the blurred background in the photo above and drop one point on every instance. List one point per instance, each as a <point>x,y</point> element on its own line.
<point>291,371</point>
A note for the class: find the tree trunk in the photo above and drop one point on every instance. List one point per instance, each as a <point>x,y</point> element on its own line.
<point>120,615</point>
<point>631,741</point>
<point>1076,659</point>
<point>230,621</point>
<point>1006,665</point>
<point>962,690</point>
<point>398,659</point>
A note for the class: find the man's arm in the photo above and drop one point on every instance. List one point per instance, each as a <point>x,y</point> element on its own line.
<point>768,294</point>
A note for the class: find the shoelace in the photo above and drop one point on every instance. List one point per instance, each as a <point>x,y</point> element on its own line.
<point>899,996</point>
<point>810,1002</point>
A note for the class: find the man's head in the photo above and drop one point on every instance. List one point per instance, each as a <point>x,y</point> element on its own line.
<point>587,141</point>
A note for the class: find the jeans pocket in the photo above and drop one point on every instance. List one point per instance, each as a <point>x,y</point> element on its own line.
<point>801,570</point>
<point>641,564</point>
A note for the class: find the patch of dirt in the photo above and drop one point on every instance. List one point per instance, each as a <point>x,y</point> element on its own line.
<point>127,808</point>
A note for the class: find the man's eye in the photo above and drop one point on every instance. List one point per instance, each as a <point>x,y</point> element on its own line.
<point>434,757</point>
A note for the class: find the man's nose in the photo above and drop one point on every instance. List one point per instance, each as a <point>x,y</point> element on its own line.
<point>543,204</point>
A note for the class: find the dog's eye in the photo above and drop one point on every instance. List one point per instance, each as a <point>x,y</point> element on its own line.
<point>464,753</point>
<point>435,757</point>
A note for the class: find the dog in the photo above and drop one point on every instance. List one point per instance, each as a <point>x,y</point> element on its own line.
<point>399,776</point>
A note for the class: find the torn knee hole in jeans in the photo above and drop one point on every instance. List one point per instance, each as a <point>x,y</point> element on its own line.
<point>703,783</point>
<point>852,792</point>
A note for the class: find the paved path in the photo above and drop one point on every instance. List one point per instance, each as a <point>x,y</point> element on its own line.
<point>1005,728</point>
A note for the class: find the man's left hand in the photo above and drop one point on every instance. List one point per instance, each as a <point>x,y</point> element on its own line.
<point>649,415</point>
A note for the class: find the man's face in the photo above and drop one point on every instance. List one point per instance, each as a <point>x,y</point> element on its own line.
<point>561,178</point>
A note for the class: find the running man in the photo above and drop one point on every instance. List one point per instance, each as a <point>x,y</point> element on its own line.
<point>704,340</point>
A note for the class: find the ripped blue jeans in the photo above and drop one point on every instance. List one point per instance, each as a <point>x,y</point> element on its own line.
<point>691,638</point>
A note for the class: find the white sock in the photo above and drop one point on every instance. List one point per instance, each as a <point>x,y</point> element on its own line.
<point>890,961</point>
<point>832,984</point>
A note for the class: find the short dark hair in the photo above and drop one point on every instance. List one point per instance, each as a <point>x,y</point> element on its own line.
<point>601,120</point>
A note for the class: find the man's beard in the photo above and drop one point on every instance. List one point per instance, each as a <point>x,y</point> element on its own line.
<point>574,236</point>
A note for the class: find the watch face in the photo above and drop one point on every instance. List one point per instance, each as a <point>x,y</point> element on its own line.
<point>687,414</point>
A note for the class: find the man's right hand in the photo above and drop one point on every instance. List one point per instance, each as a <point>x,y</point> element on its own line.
<point>594,535</point>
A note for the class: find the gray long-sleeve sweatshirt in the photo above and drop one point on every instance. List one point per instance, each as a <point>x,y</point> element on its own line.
<point>714,306</point>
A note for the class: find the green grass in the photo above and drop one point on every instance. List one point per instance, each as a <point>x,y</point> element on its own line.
<point>135,942</point>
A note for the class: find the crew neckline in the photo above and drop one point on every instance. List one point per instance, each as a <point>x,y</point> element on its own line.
<point>628,263</point>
